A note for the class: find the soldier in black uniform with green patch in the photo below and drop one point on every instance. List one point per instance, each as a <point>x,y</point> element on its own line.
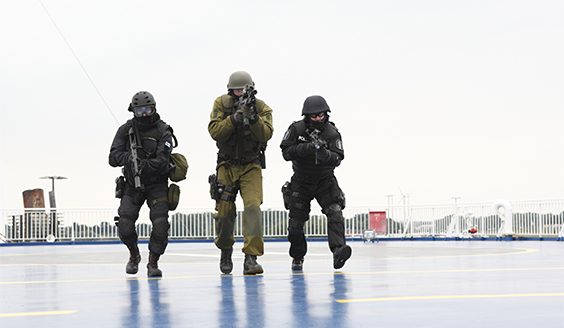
<point>315,148</point>
<point>241,126</point>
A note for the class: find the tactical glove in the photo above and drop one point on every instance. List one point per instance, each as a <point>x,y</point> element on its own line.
<point>323,154</point>
<point>249,113</point>
<point>304,149</point>
<point>237,118</point>
<point>130,165</point>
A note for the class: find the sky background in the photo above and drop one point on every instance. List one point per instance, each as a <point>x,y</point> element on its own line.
<point>434,99</point>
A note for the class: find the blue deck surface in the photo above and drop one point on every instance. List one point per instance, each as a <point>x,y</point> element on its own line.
<point>385,284</point>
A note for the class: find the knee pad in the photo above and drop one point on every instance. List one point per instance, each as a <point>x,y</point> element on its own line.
<point>160,227</point>
<point>334,214</point>
<point>295,227</point>
<point>126,226</point>
<point>225,226</point>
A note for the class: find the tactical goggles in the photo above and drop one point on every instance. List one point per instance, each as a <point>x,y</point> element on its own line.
<point>314,115</point>
<point>147,110</point>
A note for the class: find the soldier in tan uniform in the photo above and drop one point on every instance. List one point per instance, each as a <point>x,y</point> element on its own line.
<point>241,125</point>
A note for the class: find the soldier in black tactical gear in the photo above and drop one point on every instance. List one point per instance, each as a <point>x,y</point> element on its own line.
<point>315,148</point>
<point>143,146</point>
<point>241,126</point>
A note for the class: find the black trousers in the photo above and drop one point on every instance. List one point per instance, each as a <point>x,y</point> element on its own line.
<point>129,213</point>
<point>331,199</point>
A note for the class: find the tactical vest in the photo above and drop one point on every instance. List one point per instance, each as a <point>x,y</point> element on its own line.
<point>305,166</point>
<point>149,137</point>
<point>239,148</point>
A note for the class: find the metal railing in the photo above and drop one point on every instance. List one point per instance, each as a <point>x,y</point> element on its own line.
<point>544,218</point>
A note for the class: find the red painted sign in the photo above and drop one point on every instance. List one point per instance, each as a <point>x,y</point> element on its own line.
<point>377,222</point>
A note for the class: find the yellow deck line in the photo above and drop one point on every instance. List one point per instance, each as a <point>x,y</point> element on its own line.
<point>26,314</point>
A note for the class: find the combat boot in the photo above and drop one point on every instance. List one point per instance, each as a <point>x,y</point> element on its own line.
<point>132,265</point>
<point>225,262</point>
<point>250,266</point>
<point>297,264</point>
<point>153,267</point>
<point>341,255</point>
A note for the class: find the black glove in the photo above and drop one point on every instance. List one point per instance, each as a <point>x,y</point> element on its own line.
<point>323,154</point>
<point>130,164</point>
<point>305,148</point>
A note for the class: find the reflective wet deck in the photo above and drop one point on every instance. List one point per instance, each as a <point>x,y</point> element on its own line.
<point>385,284</point>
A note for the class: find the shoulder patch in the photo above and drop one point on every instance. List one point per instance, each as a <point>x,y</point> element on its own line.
<point>339,144</point>
<point>287,134</point>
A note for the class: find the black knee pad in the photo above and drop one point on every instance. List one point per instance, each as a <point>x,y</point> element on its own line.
<point>126,226</point>
<point>334,214</point>
<point>160,227</point>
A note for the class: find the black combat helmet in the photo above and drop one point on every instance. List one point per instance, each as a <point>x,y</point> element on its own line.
<point>144,107</point>
<point>315,104</point>
<point>143,98</point>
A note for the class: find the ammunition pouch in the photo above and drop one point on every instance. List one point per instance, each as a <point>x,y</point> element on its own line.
<point>217,189</point>
<point>172,198</point>
<point>120,186</point>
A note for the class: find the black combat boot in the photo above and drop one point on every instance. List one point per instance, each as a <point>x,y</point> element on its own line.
<point>225,262</point>
<point>340,255</point>
<point>134,258</point>
<point>153,267</point>
<point>297,264</point>
<point>250,266</point>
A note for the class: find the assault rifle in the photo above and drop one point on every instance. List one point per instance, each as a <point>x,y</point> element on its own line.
<point>317,142</point>
<point>248,100</point>
<point>135,159</point>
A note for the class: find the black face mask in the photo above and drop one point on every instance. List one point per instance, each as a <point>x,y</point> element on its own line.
<point>319,124</point>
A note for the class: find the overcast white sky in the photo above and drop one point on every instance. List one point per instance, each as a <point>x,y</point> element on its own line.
<point>435,99</point>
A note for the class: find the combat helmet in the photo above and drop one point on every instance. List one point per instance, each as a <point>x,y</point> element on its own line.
<point>239,79</point>
<point>143,98</point>
<point>315,104</point>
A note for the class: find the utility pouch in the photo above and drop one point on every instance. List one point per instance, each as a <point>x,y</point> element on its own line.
<point>173,197</point>
<point>287,194</point>
<point>178,167</point>
<point>120,186</point>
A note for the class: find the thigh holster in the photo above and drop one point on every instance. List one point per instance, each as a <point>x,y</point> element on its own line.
<point>292,199</point>
<point>217,190</point>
